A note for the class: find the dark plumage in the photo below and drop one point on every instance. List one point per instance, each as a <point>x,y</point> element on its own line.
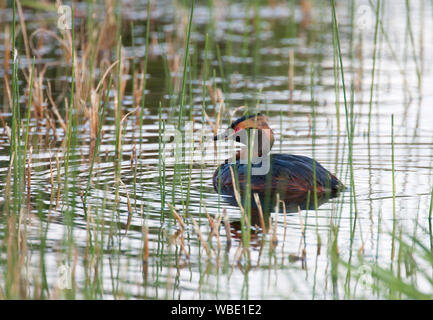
<point>291,176</point>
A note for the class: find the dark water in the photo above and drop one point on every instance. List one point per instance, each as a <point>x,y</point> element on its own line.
<point>255,54</point>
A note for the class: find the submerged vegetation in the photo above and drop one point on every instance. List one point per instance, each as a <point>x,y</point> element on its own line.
<point>108,114</point>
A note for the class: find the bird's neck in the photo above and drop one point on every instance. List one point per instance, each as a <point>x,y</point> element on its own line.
<point>261,146</point>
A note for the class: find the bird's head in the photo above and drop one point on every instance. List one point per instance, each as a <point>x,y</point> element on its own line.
<point>241,127</point>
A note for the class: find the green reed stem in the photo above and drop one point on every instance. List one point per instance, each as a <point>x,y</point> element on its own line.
<point>258,40</point>
<point>203,121</point>
<point>430,210</point>
<point>393,191</point>
<point>221,70</point>
<point>191,142</point>
<point>146,58</point>
<point>71,104</point>
<point>15,126</point>
<point>337,35</point>
<point>182,103</point>
<point>14,84</point>
<point>349,127</point>
<point>313,137</point>
<point>185,65</point>
<point>119,107</point>
<point>131,25</point>
<point>247,204</point>
<point>412,41</point>
<point>161,157</point>
<point>245,43</point>
<point>29,110</point>
<point>376,28</point>
<point>27,125</point>
<point>336,83</point>
<point>97,143</point>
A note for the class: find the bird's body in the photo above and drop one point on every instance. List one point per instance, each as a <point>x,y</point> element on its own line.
<point>297,179</point>
<point>290,176</point>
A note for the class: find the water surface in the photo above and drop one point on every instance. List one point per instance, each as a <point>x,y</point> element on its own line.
<point>256,43</point>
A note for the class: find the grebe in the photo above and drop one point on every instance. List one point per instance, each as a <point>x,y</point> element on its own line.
<point>290,176</point>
